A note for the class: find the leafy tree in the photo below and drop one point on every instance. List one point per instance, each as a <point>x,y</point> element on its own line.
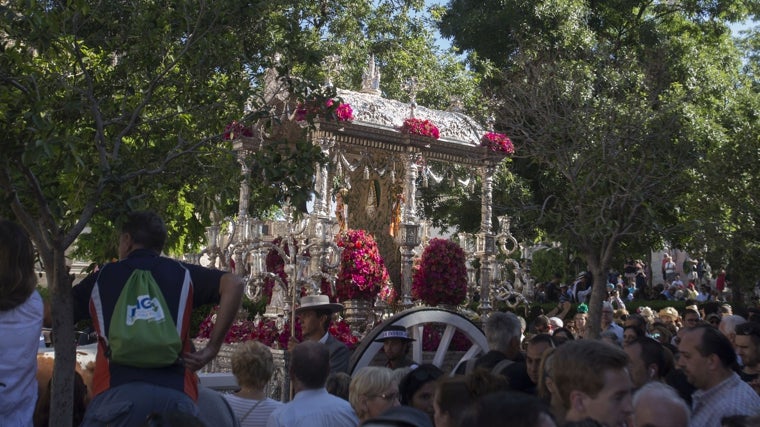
<point>111,106</point>
<point>723,212</point>
<point>611,107</point>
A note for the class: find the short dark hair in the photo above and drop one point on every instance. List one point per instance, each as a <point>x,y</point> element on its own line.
<point>310,364</point>
<point>691,311</point>
<point>415,379</point>
<point>640,332</point>
<point>714,342</point>
<point>750,329</point>
<point>543,338</point>
<point>146,228</point>
<point>653,352</point>
<point>641,322</point>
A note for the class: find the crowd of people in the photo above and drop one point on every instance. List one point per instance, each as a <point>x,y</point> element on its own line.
<point>696,367</point>
<point>688,279</point>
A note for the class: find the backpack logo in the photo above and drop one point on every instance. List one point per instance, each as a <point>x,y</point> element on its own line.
<point>147,308</point>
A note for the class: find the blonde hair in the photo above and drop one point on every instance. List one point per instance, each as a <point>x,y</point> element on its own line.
<point>369,382</point>
<point>252,364</point>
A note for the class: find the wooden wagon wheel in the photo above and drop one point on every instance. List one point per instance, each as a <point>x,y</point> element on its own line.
<point>415,320</point>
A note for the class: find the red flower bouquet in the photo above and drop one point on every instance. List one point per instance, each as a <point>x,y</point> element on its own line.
<point>441,275</point>
<point>342,332</point>
<point>362,270</point>
<point>236,130</point>
<point>415,126</point>
<point>497,142</point>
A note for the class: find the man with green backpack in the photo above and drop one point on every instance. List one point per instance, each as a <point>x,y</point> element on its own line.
<point>140,307</point>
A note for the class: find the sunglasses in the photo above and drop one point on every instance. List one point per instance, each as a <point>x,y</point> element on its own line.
<point>388,397</point>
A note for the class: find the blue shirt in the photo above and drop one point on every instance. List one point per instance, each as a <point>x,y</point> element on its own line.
<point>314,408</point>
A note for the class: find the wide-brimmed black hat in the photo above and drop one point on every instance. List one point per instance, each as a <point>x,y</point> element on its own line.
<point>395,332</point>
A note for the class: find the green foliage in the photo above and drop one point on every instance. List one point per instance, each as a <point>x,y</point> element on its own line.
<point>547,262</point>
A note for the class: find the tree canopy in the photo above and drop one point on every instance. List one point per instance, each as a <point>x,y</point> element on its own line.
<point>613,106</point>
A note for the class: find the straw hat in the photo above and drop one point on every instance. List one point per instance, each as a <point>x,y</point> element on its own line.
<point>668,312</point>
<point>394,332</point>
<point>318,302</point>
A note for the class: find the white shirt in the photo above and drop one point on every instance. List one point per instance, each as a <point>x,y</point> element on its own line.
<point>21,328</point>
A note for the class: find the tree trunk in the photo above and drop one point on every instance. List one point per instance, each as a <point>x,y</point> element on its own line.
<point>62,397</point>
<point>598,294</point>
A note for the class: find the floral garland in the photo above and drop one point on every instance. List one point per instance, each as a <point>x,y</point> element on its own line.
<point>236,130</point>
<point>362,270</point>
<point>497,142</point>
<point>441,275</point>
<point>266,331</point>
<point>415,126</point>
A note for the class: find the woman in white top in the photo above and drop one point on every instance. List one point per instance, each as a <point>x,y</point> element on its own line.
<point>21,322</point>
<point>252,365</point>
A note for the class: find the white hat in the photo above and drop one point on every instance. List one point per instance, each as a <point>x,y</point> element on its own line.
<point>318,302</point>
<point>556,322</point>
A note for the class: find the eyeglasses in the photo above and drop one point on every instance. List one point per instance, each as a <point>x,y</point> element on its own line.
<point>388,397</point>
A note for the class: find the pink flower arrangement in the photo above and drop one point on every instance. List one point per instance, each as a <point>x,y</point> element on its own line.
<point>343,111</point>
<point>236,130</point>
<point>333,109</point>
<point>441,275</point>
<point>497,142</point>
<point>362,270</point>
<point>415,126</point>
